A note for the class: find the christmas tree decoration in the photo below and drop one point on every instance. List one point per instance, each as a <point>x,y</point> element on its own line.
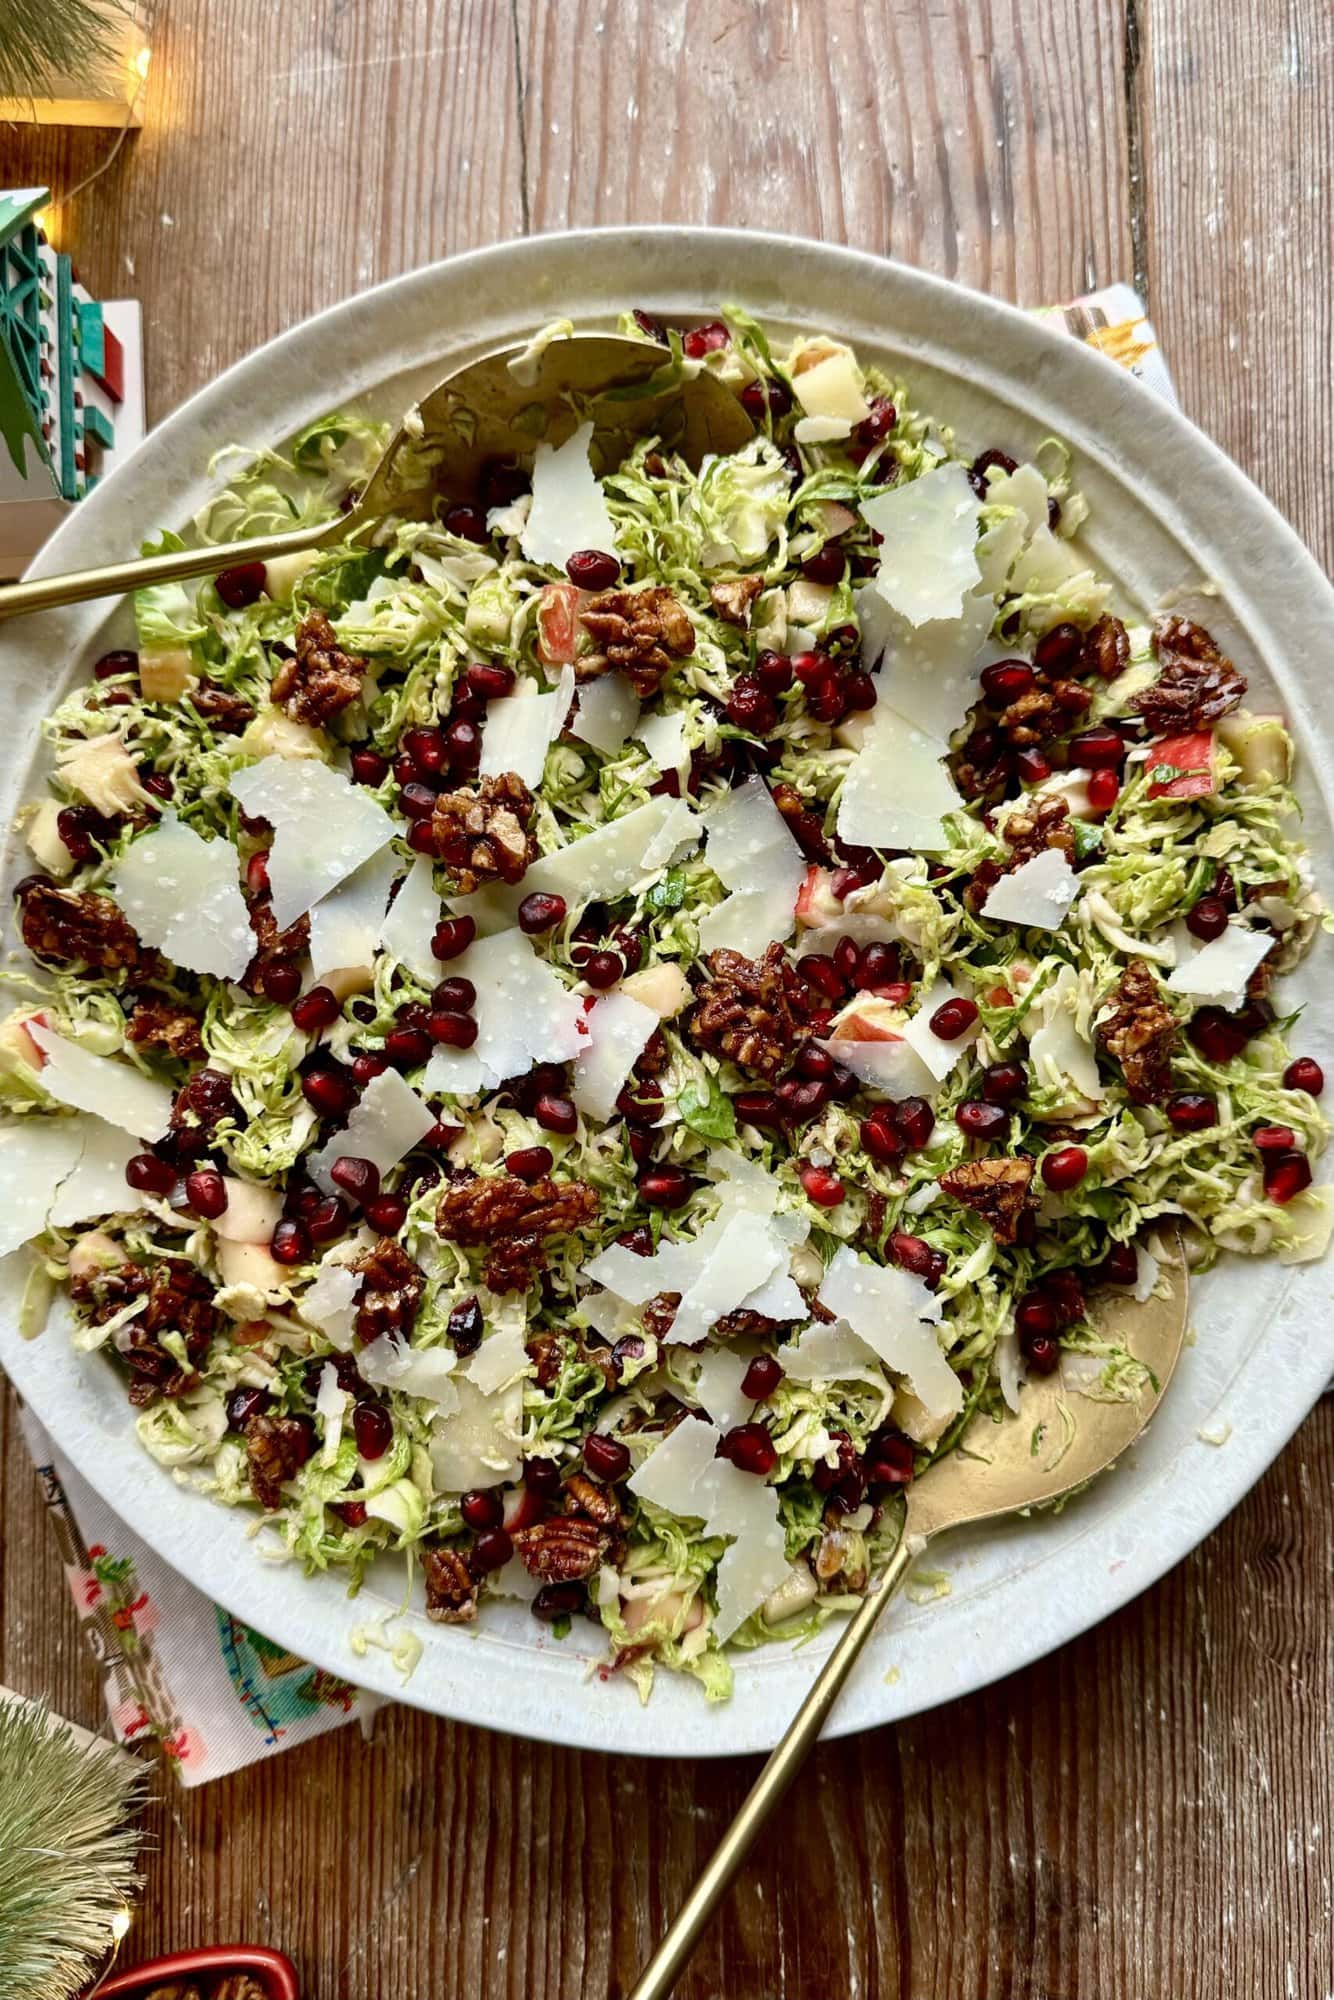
<point>73,62</point>
<point>66,1802</point>
<point>71,381</point>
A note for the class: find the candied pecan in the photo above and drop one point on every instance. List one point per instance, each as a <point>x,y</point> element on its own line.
<point>204,1102</point>
<point>1140,1032</point>
<point>996,1188</point>
<point>805,826</point>
<point>276,1448</point>
<point>100,1293</point>
<point>168,1029</point>
<point>1106,649</point>
<point>732,597</point>
<point>655,1056</point>
<point>746,1012</point>
<point>73,927</point>
<point>840,1557</point>
<point>391,1290</point>
<point>596,1503</point>
<point>743,1324</point>
<point>1030,719</point>
<point>180,1300</point>
<point>511,1218</point>
<point>226,712</point>
<point>320,679</point>
<point>564,1549</point>
<point>659,1312</point>
<point>982,767</point>
<point>483,835</point>
<point>1197,684</point>
<point>641,632</point>
<point>1037,824</point>
<point>451,1587</point>
<point>272,946</point>
<point>547,1353</point>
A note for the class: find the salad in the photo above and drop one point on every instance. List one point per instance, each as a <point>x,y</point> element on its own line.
<point>584,1041</point>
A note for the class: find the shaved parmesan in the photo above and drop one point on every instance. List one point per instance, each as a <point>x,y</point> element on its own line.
<point>102,771</point>
<point>1036,895</point>
<point>183,894</point>
<point>618,1028</point>
<point>676,1472</point>
<point>664,738</point>
<point>827,1354</point>
<point>417,1371</point>
<point>751,851</point>
<point>821,430</point>
<point>833,389</point>
<point>388,1121</point>
<point>684,1476</point>
<point>329,1304</point>
<point>569,510</point>
<point>748,1252</point>
<point>520,729</point>
<point>524,1014</point>
<point>97,1186</point>
<point>1048,562</point>
<point>346,927</point>
<point>1218,971</point>
<point>408,925</point>
<point>928,673</point>
<point>898,792</point>
<point>502,1358</point>
<point>887,1065</point>
<point>109,1089</point>
<point>324,827</point>
<point>42,834</point>
<point>939,1055</point>
<point>1060,1044</point>
<point>606,713</point>
<point>36,1155</point>
<point>1025,490</point>
<point>996,550</point>
<point>928,562</point>
<point>887,1307</point>
<point>479,1444</point>
<point>601,866</point>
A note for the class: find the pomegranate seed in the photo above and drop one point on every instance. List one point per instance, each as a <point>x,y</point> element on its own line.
<point>1286,1175</point>
<point>426,748</point>
<point>1304,1073</point>
<point>877,967</point>
<point>407,1048</point>
<point>529,1163</point>
<point>826,565</point>
<point>357,1177</point>
<point>1060,649</point>
<point>1100,748</point>
<point>916,1120</point>
<point>464,740</point>
<point>1191,1111</point>
<point>556,1114</point>
<point>592,569</point>
<point>555,1601</point>
<point>405,771</point>
<point>952,1019</point>
<point>240,585</point>
<point>369,767</point>
<point>891,1460</point>
<point>757,1107</point>
<point>813,1061</point>
<point>115,663</point>
<point>1104,790</point>
<point>1119,1267</point>
<point>482,1508</point>
<point>489,680</point>
<point>454,996</point>
<point>702,340</point>
<point>490,1552</point>
<point>761,1378</point>
<point>421,837</point>
<point>1218,1036</point>
<point>606,1457</point>
<point>452,937</point>
<point>365,1065</point>
<point>315,1010</point>
<point>860,693</point>
<point>603,969</point>
<point>1273,1138</point>
<point>750,708</point>
<point>541,1476</point>
<point>983,463</point>
<point>664,1187</point>
<point>760,398</point>
<point>465,1326</point>
<point>749,1448</point>
<point>1002,1082</point>
<point>980,1120</point>
<point>801,1097</point>
<point>1044,1353</point>
<point>1035,1315</point>
<point>206,1192</point>
<point>1065,1168</point>
<point>243,1404</point>
<point>819,970</point>
<point>773,671</point>
<point>846,958</point>
<point>641,1100</point>
<point>147,1174</point>
<point>917,1256</point>
<point>352,1513</point>
<point>880,1139</point>
<point>290,1242</point>
<point>387,1213</point>
<point>827,702</point>
<point>875,428</point>
<point>1208,919</point>
<point>328,1218</point>
<point>281,981</point>
<point>467,522</point>
<point>456,1031</point>
<point>1005,680</point>
<point>812,668</point>
<point>416,802</point>
<point>822,1186</point>
<point>540,912</point>
<point>1032,766</point>
<point>1066,1294</point>
<point>825,1477</point>
<point>330,1091</point>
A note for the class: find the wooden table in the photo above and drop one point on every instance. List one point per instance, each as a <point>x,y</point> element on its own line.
<point>1151,1812</point>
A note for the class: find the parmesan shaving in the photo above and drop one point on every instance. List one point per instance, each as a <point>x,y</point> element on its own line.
<point>109,1089</point>
<point>928,562</point>
<point>183,894</point>
<point>324,827</point>
<point>569,510</point>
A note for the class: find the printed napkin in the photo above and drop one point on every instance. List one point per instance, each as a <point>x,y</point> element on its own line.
<point>177,1669</point>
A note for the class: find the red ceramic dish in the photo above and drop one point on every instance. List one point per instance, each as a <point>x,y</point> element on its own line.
<point>276,1974</point>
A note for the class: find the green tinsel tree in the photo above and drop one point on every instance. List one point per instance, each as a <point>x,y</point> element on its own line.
<point>41,40</point>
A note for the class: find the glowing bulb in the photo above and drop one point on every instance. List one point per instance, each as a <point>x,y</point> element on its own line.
<point>120,1924</point>
<point>141,62</point>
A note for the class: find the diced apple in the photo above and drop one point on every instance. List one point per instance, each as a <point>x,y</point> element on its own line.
<point>828,382</point>
<point>17,1048</point>
<point>345,980</point>
<point>792,1595</point>
<point>817,906</point>
<point>251,1215</point>
<point>253,1272</point>
<point>852,732</point>
<point>1192,757</point>
<point>808,603</point>
<point>165,672</point>
<point>1260,744</point>
<point>870,1019</point>
<point>558,623</point>
<point>282,574</point>
<point>663,987</point>
<point>273,734</point>
<point>94,1251</point>
<point>44,842</point>
<point>915,1420</point>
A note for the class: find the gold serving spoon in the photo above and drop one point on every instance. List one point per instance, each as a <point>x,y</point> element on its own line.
<point>1045,1453</point>
<point>499,407</point>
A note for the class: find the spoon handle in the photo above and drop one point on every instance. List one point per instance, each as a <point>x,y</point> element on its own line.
<point>47,592</point>
<point>683,1934</point>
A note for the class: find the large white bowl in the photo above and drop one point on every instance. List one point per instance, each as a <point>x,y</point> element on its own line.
<point>1168,512</point>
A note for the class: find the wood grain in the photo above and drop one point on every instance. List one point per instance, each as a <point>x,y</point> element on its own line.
<point>1149,1812</point>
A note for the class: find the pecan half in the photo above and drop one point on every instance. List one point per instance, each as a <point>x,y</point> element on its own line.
<point>1197,684</point>
<point>165,1028</point>
<point>1038,823</point>
<point>99,1293</point>
<point>564,1549</point>
<point>547,1353</point>
<point>73,927</point>
<point>743,1324</point>
<point>659,1312</point>
<point>732,597</point>
<point>276,1448</point>
<point>997,1189</point>
<point>320,680</point>
<point>1140,1032</point>
<point>272,946</point>
<point>180,1300</point>
<point>593,1502</point>
<point>747,1010</point>
<point>1106,649</point>
<point>391,1290</point>
<point>805,826</point>
<point>483,835</point>
<point>451,1587</point>
<point>511,1219</point>
<point>224,711</point>
<point>642,633</point>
